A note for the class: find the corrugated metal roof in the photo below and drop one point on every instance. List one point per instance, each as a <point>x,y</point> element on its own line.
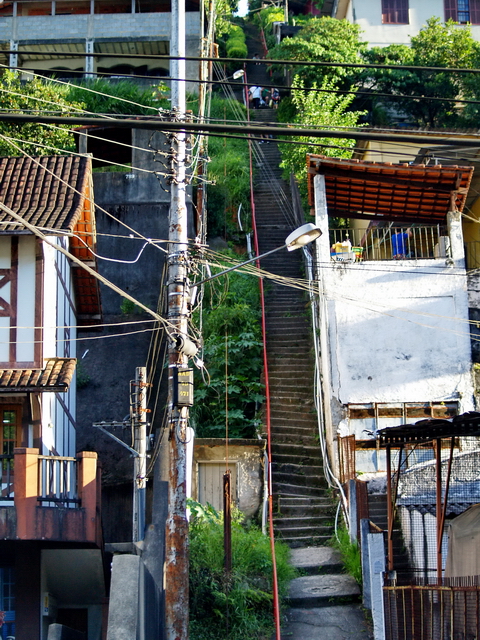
<point>466,424</point>
<point>56,375</point>
<point>387,191</point>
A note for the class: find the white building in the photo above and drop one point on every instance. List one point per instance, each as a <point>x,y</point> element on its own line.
<point>385,22</point>
<point>395,337</point>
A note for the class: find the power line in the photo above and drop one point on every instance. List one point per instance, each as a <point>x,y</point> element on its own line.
<point>242,85</point>
<point>268,61</point>
<point>162,125</point>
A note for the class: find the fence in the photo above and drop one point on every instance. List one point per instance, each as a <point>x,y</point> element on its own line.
<point>57,480</point>
<point>381,243</point>
<point>448,610</point>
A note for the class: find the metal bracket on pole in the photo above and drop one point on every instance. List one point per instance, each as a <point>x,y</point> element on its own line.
<point>100,425</point>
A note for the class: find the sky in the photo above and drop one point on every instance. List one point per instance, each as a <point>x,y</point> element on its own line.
<point>242,8</point>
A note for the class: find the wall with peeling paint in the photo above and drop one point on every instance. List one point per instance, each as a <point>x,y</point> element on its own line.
<point>394,330</point>
<point>247,455</point>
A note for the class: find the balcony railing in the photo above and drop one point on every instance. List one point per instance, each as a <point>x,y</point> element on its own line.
<point>6,491</point>
<point>377,243</point>
<point>57,480</point>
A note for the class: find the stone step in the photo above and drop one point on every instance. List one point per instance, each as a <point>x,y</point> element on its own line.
<point>288,458</point>
<point>294,524</point>
<point>306,509</point>
<point>306,540</point>
<point>297,469</point>
<point>306,482</point>
<point>291,488</point>
<point>312,560</point>
<point>294,449</point>
<point>322,590</point>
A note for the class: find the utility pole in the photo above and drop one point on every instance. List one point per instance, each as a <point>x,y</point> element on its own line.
<point>176,542</point>
<point>140,446</point>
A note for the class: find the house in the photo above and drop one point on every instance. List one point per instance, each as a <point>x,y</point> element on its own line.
<point>78,27</point>
<point>385,22</point>
<point>391,325</point>
<point>51,565</point>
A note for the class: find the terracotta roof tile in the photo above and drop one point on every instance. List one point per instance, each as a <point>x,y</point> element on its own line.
<point>56,375</point>
<point>387,191</point>
<point>28,187</point>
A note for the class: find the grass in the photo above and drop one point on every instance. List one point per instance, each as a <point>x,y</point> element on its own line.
<point>238,605</point>
<point>350,553</point>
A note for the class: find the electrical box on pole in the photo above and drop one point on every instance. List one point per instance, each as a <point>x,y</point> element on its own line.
<point>182,387</point>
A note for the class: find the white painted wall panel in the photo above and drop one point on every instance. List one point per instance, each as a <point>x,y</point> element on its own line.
<point>49,301</point>
<point>5,263</point>
<point>26,299</point>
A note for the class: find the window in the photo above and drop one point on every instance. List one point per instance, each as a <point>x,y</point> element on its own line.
<point>463,11</point>
<point>7,601</point>
<point>395,11</point>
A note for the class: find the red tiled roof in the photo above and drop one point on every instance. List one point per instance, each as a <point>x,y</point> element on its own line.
<point>47,191</point>
<point>54,192</point>
<point>56,376</point>
<point>386,191</point>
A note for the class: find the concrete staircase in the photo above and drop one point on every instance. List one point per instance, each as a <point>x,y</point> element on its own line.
<point>324,601</point>
<point>304,509</point>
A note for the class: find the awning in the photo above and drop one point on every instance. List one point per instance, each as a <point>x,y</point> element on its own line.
<point>384,191</point>
<point>55,376</point>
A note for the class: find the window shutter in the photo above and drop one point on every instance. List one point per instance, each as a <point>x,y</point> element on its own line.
<point>475,11</point>
<point>395,12</point>
<point>451,10</point>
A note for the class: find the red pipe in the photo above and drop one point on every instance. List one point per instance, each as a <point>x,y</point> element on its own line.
<point>276,604</point>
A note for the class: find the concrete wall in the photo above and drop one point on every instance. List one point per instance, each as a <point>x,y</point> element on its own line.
<point>368,15</point>
<point>156,26</point>
<point>248,457</point>
<point>397,329</point>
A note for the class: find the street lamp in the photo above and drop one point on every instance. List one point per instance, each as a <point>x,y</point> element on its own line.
<point>296,240</point>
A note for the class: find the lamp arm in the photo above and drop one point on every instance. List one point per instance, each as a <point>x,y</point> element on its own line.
<point>239,266</point>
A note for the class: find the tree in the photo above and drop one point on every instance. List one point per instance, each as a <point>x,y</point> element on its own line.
<point>325,110</point>
<point>436,45</point>
<point>323,40</point>
<point>232,347</point>
<point>37,96</point>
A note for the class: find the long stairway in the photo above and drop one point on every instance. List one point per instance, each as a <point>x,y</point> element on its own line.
<point>302,503</point>
<point>323,604</point>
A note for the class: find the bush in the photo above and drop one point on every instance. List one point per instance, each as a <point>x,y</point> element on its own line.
<point>238,50</point>
<point>232,309</point>
<point>236,605</point>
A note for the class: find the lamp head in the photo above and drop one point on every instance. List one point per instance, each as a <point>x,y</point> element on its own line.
<point>238,74</point>
<point>302,236</point>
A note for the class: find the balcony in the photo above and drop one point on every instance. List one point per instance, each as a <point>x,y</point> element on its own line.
<point>50,497</point>
<point>379,243</point>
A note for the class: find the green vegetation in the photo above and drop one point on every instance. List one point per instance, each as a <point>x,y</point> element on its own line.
<point>315,109</point>
<point>323,40</point>
<point>128,96</point>
<point>350,553</point>
<point>35,96</point>
<point>235,45</point>
<point>437,45</point>
<point>232,333</point>
<point>230,170</point>
<point>237,606</point>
